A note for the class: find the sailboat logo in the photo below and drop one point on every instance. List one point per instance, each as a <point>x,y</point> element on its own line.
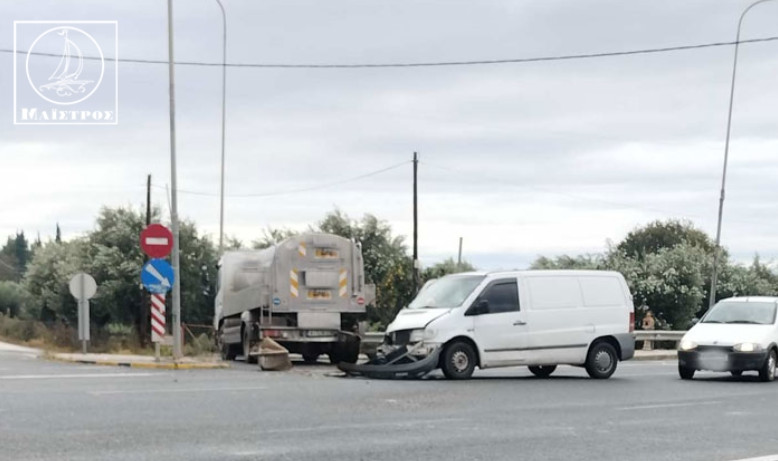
<point>76,75</point>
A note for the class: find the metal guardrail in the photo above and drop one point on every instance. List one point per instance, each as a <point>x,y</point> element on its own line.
<point>377,337</point>
<point>658,335</point>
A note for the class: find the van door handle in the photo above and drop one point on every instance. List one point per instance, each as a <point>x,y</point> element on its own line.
<point>519,322</point>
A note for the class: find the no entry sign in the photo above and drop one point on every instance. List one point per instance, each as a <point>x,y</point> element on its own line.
<point>156,241</point>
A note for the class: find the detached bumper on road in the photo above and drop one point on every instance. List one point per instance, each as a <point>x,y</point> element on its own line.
<point>722,360</point>
<point>401,363</point>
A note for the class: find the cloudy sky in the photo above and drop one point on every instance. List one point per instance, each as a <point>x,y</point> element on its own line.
<point>520,160</point>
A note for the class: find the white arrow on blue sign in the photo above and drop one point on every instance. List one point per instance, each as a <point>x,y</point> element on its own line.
<point>157,276</point>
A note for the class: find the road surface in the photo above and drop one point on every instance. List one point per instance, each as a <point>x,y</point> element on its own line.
<point>56,411</point>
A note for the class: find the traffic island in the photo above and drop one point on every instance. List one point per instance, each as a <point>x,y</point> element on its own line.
<point>137,361</point>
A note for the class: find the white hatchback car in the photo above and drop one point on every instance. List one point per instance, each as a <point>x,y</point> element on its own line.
<point>735,335</point>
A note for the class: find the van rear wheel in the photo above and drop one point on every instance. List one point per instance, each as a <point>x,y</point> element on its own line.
<point>542,371</point>
<point>601,361</point>
<point>458,360</point>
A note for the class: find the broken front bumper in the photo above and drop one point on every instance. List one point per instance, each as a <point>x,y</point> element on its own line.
<point>402,362</point>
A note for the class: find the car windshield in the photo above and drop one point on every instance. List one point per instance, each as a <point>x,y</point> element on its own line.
<point>758,313</point>
<point>446,292</point>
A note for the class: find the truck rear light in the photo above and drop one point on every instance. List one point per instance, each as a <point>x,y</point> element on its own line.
<point>272,333</point>
<point>631,322</point>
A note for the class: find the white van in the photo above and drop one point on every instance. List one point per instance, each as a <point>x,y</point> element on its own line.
<point>538,319</point>
<point>735,335</point>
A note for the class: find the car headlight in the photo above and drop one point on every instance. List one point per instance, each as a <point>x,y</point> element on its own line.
<point>429,334</point>
<point>687,345</point>
<point>416,336</point>
<point>747,347</point>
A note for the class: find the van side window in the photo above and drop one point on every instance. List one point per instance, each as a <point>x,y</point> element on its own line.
<point>502,297</point>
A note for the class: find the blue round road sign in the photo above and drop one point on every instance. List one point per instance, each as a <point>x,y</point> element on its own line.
<point>157,276</point>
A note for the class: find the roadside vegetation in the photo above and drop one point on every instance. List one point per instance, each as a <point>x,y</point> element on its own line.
<point>666,263</point>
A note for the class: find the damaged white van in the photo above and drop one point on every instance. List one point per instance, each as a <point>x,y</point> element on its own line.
<point>538,319</point>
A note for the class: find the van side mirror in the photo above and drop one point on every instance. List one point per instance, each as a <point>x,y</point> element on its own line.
<point>480,307</point>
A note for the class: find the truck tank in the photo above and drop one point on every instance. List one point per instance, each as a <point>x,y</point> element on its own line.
<point>307,292</point>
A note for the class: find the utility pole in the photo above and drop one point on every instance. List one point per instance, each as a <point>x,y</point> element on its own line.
<point>459,257</point>
<point>145,306</point>
<point>717,249</point>
<point>415,223</point>
<point>224,112</point>
<point>174,191</point>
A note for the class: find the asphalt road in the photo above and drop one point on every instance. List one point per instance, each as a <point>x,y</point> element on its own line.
<point>59,411</point>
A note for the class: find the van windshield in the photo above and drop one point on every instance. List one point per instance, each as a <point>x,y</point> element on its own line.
<point>758,313</point>
<point>446,292</point>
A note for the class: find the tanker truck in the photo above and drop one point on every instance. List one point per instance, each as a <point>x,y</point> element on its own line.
<point>308,293</point>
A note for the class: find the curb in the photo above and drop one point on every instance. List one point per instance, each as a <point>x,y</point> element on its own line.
<point>673,356</point>
<point>147,365</point>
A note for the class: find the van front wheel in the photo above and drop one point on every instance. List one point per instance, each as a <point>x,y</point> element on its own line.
<point>601,361</point>
<point>458,361</point>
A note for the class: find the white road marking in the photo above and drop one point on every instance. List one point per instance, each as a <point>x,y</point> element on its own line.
<point>761,458</point>
<point>83,375</point>
<point>330,427</point>
<point>669,405</point>
<point>201,389</point>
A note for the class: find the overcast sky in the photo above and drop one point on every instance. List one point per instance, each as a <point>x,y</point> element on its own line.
<point>519,159</point>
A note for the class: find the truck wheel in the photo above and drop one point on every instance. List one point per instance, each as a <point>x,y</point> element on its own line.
<point>601,361</point>
<point>335,357</point>
<point>685,373</point>
<point>310,357</point>
<point>767,372</point>
<point>247,347</point>
<point>542,371</point>
<point>227,351</point>
<point>458,361</point>
<point>736,373</point>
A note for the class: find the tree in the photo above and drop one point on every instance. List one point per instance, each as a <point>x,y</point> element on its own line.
<point>58,235</point>
<point>593,262</point>
<point>386,259</point>
<point>11,298</point>
<point>47,277</point>
<point>445,267</point>
<point>14,256</point>
<point>271,237</point>
<point>657,235</point>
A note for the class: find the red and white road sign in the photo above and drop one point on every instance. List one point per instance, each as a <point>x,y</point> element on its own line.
<point>156,240</point>
<point>157,318</point>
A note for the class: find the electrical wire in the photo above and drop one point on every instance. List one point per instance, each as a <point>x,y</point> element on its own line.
<point>566,57</point>
<point>294,191</point>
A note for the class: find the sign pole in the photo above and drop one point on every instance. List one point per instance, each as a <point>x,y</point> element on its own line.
<point>83,287</point>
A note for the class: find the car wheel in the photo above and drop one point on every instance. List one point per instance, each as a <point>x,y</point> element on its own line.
<point>601,361</point>
<point>542,371</point>
<point>767,372</point>
<point>686,373</point>
<point>458,361</point>
<point>247,346</point>
<point>736,373</point>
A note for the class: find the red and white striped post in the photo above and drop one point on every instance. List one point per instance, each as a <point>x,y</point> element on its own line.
<point>157,320</point>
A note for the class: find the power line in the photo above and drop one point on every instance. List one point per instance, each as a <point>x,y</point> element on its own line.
<point>294,191</point>
<point>567,57</point>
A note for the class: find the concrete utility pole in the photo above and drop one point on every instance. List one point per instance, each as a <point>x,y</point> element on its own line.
<point>717,250</point>
<point>174,191</point>
<point>459,256</point>
<point>415,224</point>
<point>224,108</point>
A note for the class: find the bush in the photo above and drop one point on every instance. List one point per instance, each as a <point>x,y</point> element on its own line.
<point>200,345</point>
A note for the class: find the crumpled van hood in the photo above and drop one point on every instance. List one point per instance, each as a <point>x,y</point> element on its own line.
<point>410,319</point>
